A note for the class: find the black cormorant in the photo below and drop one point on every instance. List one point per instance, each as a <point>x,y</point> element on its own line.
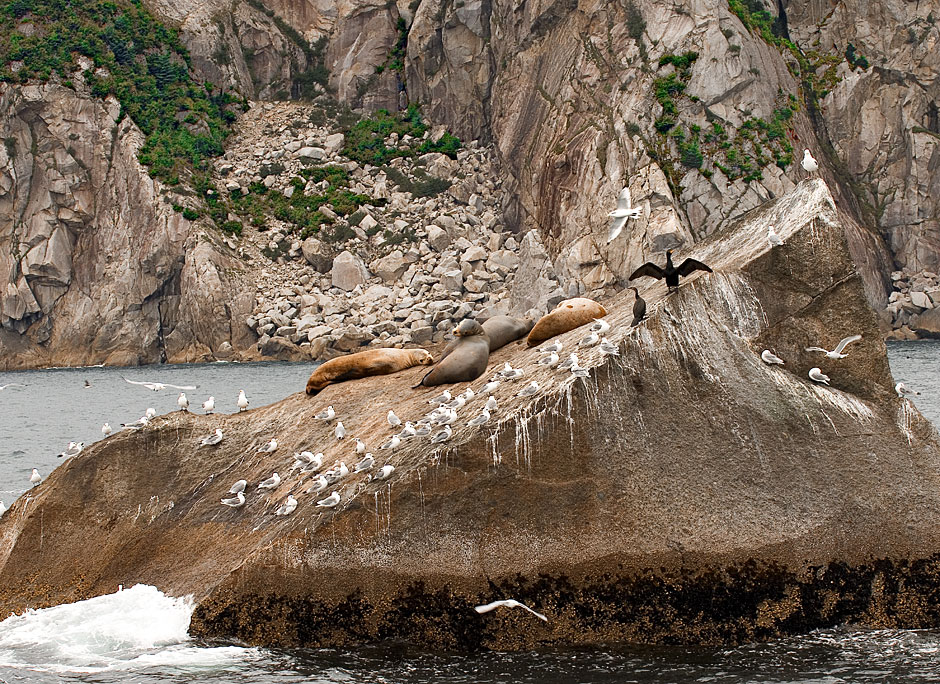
<point>669,272</point>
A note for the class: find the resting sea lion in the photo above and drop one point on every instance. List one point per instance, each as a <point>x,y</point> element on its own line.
<point>505,329</point>
<point>570,314</point>
<point>366,363</point>
<point>464,360</point>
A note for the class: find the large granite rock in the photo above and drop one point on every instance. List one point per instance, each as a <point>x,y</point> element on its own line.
<point>684,492</point>
<point>96,265</point>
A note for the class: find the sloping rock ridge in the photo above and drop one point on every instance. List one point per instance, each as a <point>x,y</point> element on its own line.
<point>684,492</point>
<point>95,267</point>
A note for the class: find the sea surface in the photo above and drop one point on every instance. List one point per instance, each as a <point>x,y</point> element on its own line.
<point>138,635</point>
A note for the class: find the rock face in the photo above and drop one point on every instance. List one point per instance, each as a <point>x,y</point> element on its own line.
<point>95,266</point>
<point>595,503</point>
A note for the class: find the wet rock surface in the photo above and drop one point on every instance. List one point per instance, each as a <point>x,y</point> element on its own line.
<point>596,503</point>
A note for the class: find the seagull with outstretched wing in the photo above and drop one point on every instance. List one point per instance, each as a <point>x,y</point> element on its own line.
<point>157,386</point>
<point>836,353</point>
<point>619,216</point>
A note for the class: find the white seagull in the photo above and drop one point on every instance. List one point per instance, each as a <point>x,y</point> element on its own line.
<point>837,352</point>
<point>549,360</point>
<point>10,384</point>
<point>209,405</point>
<point>136,425</point>
<point>528,390</point>
<point>235,501</point>
<point>424,429</point>
<point>182,402</point>
<point>590,340</point>
<point>384,472</point>
<point>441,398</point>
<point>106,429</point>
<point>480,419</point>
<point>35,478</point>
<point>619,216</point>
<point>269,447</point>
<point>339,431</point>
<point>392,443</point>
<point>774,239</point>
<point>490,404</point>
<point>315,463</point>
<point>489,387</point>
<point>242,402</point>
<point>570,362</point>
<point>271,482</point>
<point>150,413</point>
<point>809,164</point>
<point>157,386</point>
<point>3,509</point>
<point>239,486</point>
<point>318,484</point>
<point>407,430</point>
<point>360,446</point>
<point>903,390</point>
<point>608,348</point>
<point>392,419</point>
<point>287,507</point>
<point>443,435</point>
<point>73,449</point>
<point>553,348</point>
<point>365,464</point>
<point>326,414</point>
<point>770,358</point>
<point>329,501</point>
<point>508,603</point>
<point>600,326</point>
<point>817,375</point>
<point>210,440</point>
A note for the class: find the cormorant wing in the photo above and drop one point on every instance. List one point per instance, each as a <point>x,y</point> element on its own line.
<point>690,265</point>
<point>846,341</point>
<point>651,270</point>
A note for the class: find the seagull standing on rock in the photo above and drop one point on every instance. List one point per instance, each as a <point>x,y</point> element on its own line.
<point>35,478</point>
<point>904,390</point>
<point>384,472</point>
<point>772,237</point>
<point>209,405</point>
<point>236,501</point>
<point>770,358</point>
<point>360,446</point>
<point>73,449</point>
<point>490,404</point>
<point>326,414</point>
<point>809,164</point>
<point>339,431</point>
<point>817,375</point>
<point>549,360</point>
<point>106,429</point>
<point>242,402</point>
<point>393,420</point>
<point>365,464</point>
<point>287,507</point>
<point>271,482</point>
<point>269,447</point>
<point>528,390</point>
<point>441,398</point>
<point>318,484</point>
<point>211,440</point>
<point>329,501</point>
<point>182,402</point>
<point>480,419</point>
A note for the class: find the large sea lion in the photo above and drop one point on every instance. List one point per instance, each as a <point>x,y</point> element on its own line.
<point>505,329</point>
<point>464,360</point>
<point>364,364</point>
<point>570,314</point>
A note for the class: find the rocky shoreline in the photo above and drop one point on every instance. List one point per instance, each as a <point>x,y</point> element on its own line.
<point>913,310</point>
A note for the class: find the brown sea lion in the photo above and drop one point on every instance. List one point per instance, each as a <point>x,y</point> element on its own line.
<point>366,363</point>
<point>464,360</point>
<point>505,329</point>
<point>570,314</point>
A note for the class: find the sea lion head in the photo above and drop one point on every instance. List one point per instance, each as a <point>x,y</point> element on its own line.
<point>423,357</point>
<point>468,328</point>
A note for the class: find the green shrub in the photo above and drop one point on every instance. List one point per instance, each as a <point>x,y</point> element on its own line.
<point>232,227</point>
<point>190,214</point>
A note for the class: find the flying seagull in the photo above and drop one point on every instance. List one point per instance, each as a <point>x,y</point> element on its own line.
<point>619,216</point>
<point>837,352</point>
<point>508,603</point>
<point>670,273</point>
<point>157,386</point>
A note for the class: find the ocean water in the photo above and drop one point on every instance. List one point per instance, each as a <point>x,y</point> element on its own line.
<point>139,635</point>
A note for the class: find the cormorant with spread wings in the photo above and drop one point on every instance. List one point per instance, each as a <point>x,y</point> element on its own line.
<point>669,272</point>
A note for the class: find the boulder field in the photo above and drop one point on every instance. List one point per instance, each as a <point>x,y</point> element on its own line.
<point>683,492</point>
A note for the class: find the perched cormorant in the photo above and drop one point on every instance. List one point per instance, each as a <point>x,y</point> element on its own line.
<point>639,308</point>
<point>669,272</point>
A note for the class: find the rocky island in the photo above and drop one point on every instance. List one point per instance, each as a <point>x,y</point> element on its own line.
<point>684,492</point>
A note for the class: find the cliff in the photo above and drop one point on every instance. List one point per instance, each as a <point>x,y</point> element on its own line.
<point>98,266</point>
<point>684,492</point>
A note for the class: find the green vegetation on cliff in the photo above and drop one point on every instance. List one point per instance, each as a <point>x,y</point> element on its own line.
<point>135,58</point>
<point>365,140</point>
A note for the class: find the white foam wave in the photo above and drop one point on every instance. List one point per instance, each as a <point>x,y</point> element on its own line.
<point>137,628</point>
